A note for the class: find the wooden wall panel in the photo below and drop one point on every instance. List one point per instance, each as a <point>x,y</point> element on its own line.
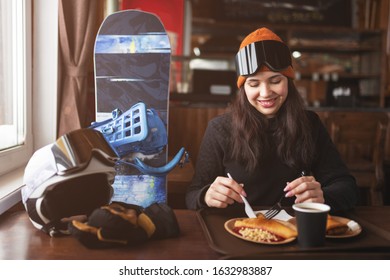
<point>187,126</point>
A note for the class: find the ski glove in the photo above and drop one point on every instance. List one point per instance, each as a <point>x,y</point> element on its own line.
<point>121,224</point>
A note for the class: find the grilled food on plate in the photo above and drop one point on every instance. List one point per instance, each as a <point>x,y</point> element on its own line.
<point>261,229</point>
<point>335,227</point>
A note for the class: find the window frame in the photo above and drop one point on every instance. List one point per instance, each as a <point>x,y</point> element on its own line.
<point>15,157</point>
<point>41,104</point>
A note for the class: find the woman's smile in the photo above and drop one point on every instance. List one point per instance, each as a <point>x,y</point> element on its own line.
<point>269,103</point>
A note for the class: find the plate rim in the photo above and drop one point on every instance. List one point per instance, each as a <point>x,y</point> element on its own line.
<point>229,230</point>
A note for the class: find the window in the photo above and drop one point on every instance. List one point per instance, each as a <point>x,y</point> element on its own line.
<point>15,84</point>
<point>11,69</point>
<point>39,116</point>
<point>15,97</point>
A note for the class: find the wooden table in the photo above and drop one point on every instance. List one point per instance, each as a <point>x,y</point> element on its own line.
<point>20,240</point>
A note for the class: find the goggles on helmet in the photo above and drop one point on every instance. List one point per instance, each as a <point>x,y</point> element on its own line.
<point>274,54</point>
<point>73,151</point>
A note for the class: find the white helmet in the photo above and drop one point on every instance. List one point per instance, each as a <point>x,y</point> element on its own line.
<point>70,177</point>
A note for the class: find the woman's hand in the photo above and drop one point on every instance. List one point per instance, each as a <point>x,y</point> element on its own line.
<point>305,189</point>
<point>223,192</point>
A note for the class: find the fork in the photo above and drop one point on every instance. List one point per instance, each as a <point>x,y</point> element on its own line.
<point>248,209</point>
<point>274,210</point>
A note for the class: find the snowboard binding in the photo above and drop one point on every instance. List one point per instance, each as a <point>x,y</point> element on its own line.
<point>138,133</point>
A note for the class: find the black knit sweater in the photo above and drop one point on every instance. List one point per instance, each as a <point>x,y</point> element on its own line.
<point>265,185</point>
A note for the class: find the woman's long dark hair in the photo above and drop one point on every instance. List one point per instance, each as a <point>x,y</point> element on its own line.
<point>292,132</point>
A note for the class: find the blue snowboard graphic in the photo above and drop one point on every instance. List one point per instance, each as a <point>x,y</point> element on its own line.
<point>132,64</point>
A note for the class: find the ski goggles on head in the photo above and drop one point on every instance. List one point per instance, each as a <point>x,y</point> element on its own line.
<point>274,54</point>
<point>73,151</point>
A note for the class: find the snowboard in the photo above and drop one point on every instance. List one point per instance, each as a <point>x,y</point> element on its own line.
<point>132,57</point>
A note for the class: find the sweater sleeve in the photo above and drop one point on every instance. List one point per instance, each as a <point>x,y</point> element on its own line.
<point>209,163</point>
<point>338,185</point>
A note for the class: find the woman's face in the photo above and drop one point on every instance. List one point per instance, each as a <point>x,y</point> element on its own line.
<point>266,91</point>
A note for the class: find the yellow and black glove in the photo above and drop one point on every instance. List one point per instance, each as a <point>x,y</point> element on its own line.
<point>121,224</point>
